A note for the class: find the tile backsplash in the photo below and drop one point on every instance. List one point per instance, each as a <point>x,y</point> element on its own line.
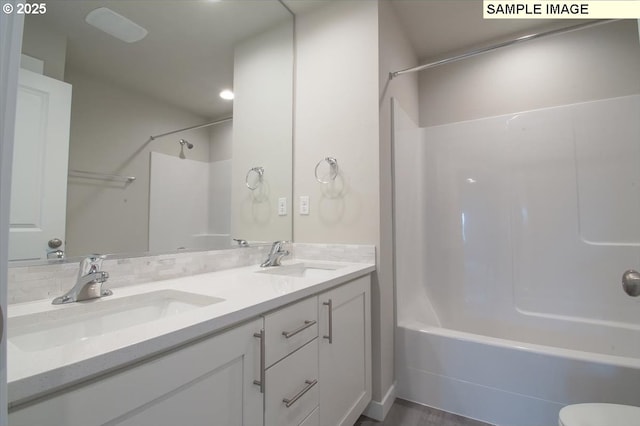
<point>27,283</point>
<point>335,252</point>
<point>48,281</point>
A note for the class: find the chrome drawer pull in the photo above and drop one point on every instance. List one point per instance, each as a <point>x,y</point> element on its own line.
<point>309,383</point>
<point>289,334</point>
<point>263,369</point>
<point>329,337</point>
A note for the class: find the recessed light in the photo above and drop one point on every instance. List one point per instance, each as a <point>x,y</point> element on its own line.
<point>116,25</point>
<point>227,94</point>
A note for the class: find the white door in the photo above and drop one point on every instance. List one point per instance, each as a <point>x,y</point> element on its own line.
<point>40,159</point>
<point>10,43</point>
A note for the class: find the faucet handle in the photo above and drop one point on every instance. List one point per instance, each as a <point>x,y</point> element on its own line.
<point>91,263</point>
<point>277,247</point>
<point>241,242</point>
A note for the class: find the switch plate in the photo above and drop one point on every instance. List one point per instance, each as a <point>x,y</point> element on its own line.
<point>304,204</point>
<point>282,206</point>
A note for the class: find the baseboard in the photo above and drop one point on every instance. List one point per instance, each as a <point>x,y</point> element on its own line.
<point>378,410</point>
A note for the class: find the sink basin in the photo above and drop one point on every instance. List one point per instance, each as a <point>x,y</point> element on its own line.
<point>83,321</point>
<point>307,270</point>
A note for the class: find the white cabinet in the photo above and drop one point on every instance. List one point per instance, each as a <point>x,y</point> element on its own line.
<point>291,378</point>
<point>209,382</point>
<point>345,352</point>
<point>339,358</point>
<point>315,363</point>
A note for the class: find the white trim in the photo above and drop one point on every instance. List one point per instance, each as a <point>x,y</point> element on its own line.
<point>10,45</point>
<point>379,410</point>
<point>32,64</point>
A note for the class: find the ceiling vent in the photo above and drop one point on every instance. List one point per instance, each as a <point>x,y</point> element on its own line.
<point>116,25</point>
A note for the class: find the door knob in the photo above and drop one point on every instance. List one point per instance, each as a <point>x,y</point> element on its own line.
<point>631,282</point>
<point>54,243</point>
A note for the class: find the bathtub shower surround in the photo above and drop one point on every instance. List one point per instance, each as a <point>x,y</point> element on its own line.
<point>202,189</point>
<point>514,253</point>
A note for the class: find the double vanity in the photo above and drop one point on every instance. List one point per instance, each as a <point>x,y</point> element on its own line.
<point>276,346</point>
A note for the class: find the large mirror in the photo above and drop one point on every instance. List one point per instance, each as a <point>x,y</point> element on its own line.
<point>124,143</point>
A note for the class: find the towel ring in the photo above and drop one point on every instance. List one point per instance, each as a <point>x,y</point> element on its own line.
<point>333,172</point>
<point>257,170</point>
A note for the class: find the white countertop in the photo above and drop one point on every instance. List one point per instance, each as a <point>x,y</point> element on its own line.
<point>246,295</point>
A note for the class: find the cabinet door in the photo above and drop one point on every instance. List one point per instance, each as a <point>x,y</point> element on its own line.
<point>206,383</point>
<point>345,359</point>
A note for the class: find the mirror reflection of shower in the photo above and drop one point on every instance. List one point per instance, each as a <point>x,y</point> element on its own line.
<point>182,144</point>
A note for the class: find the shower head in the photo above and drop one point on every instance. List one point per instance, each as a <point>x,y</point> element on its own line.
<point>184,142</point>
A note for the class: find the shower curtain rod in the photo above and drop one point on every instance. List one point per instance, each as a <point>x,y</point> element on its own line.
<point>199,126</point>
<point>482,50</point>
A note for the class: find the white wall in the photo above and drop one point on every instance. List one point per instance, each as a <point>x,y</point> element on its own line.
<point>110,130</point>
<point>45,44</point>
<point>262,134</point>
<point>395,53</point>
<point>221,141</point>
<point>336,114</point>
<point>584,65</point>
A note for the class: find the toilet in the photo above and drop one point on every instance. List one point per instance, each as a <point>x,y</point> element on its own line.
<point>599,415</point>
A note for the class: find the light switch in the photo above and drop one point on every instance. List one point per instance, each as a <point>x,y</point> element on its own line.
<point>304,204</point>
<point>282,206</point>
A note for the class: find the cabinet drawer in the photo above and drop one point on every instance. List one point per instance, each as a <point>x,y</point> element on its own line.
<point>300,324</point>
<point>292,379</point>
<point>313,419</point>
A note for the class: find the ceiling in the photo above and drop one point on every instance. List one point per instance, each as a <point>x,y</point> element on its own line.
<point>186,58</point>
<point>437,28</point>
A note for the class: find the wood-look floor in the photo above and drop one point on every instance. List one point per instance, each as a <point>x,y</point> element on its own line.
<point>404,413</point>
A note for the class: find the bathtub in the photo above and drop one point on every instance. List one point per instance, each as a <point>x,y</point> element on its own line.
<point>510,243</point>
<point>506,382</point>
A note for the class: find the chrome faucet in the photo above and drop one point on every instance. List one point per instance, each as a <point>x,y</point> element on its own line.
<point>89,282</point>
<point>241,242</point>
<point>275,255</point>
